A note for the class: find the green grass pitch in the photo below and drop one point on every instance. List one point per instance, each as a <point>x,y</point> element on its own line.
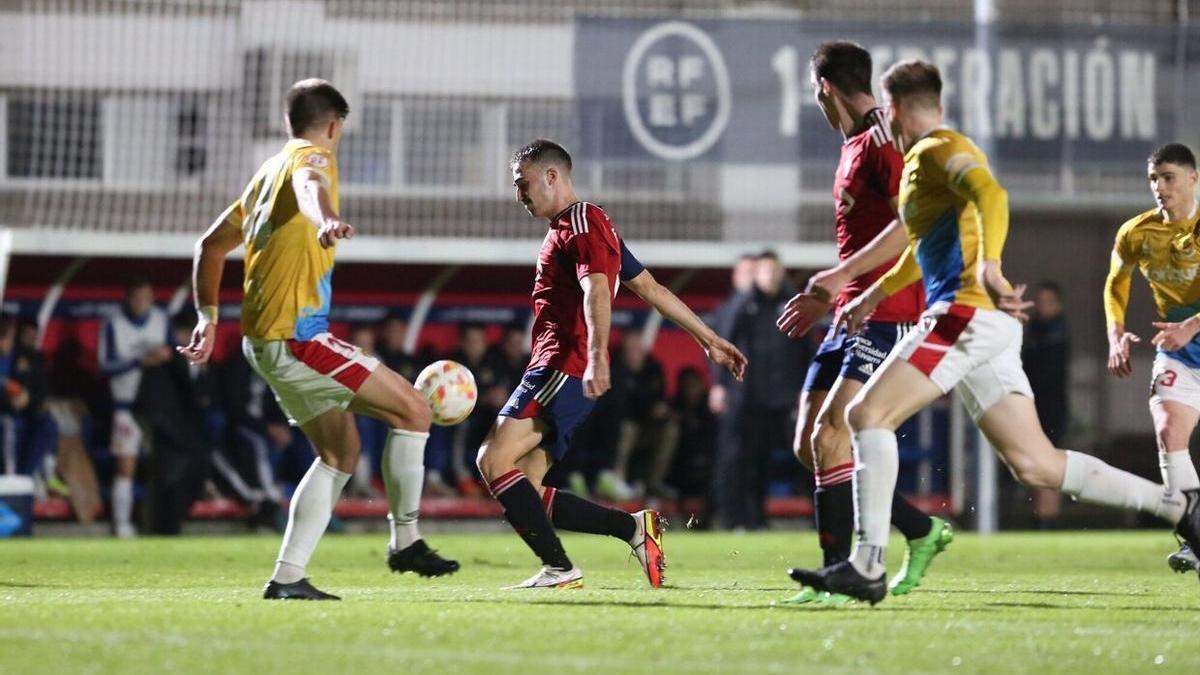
<point>1035,603</point>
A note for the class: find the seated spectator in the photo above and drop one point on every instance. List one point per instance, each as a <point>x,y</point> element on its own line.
<point>390,349</point>
<point>489,371</point>
<point>512,356</point>
<point>648,428</point>
<point>28,433</point>
<point>692,472</point>
<point>244,461</point>
<point>74,391</point>
<point>133,338</point>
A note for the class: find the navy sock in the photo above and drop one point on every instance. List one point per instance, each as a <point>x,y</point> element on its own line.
<point>523,510</point>
<point>834,512</point>
<point>572,512</point>
<point>911,521</point>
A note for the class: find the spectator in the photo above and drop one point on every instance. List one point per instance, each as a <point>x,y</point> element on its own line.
<point>27,333</point>
<point>244,461</point>
<point>741,279</point>
<point>75,395</point>
<point>29,434</point>
<point>692,472</point>
<point>174,406</point>
<point>512,355</point>
<point>648,426</point>
<point>758,412</point>
<point>133,338</point>
<point>1046,356</point>
<point>393,334</point>
<point>489,371</point>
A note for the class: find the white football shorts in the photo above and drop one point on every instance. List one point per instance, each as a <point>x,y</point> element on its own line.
<point>974,351</point>
<point>310,377</point>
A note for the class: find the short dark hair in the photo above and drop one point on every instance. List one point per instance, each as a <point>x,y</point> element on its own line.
<point>914,80</point>
<point>1173,153</point>
<point>543,151</point>
<point>314,101</point>
<point>135,282</point>
<point>1051,286</point>
<point>768,254</point>
<point>468,326</point>
<point>845,64</point>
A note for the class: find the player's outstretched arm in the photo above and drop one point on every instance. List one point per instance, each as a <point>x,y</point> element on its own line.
<point>827,284</point>
<point>720,350</point>
<point>208,262</point>
<point>314,201</point>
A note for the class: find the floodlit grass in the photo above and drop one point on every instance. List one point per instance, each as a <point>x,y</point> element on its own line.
<point>1037,603</point>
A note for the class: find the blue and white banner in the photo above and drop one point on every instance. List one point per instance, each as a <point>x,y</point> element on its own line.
<point>738,90</point>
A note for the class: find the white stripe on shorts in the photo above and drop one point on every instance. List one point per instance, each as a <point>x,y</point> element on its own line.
<point>551,387</point>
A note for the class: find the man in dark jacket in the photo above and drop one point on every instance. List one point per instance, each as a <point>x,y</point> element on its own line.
<point>1046,355</point>
<point>758,413</point>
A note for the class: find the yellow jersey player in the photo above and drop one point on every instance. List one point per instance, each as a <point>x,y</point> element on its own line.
<point>969,340</point>
<point>1162,243</point>
<point>287,219</point>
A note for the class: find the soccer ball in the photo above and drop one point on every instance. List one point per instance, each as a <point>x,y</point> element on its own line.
<point>450,389</point>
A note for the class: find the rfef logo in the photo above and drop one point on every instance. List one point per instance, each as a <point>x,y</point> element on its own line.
<point>675,90</point>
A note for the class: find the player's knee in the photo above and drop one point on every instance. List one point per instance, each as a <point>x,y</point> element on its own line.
<point>831,445</point>
<point>862,414</point>
<point>418,416</point>
<point>489,463</point>
<point>1169,439</point>
<point>1029,470</point>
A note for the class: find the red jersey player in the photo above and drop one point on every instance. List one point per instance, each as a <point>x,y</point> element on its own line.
<point>869,239</point>
<point>579,267</point>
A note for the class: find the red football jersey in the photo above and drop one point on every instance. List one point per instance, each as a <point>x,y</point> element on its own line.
<point>581,241</point>
<point>868,176</point>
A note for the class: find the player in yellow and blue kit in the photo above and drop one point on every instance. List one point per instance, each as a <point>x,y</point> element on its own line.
<point>956,215</point>
<point>287,218</point>
<point>1162,243</point>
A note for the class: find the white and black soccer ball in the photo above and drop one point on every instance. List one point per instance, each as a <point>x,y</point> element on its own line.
<point>450,389</point>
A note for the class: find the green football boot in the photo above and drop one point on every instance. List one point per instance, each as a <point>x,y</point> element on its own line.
<point>835,600</point>
<point>807,595</point>
<point>920,553</point>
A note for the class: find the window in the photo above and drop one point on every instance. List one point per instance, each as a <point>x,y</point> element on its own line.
<point>191,128</point>
<point>364,156</point>
<point>54,135</point>
<point>443,144</point>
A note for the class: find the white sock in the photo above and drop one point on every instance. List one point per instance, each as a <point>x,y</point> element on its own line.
<point>404,476</point>
<point>1178,471</point>
<point>878,462</point>
<point>308,516</point>
<point>1089,479</point>
<point>122,501</point>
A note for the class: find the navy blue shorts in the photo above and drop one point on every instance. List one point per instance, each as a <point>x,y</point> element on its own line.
<point>854,357</point>
<point>554,397</point>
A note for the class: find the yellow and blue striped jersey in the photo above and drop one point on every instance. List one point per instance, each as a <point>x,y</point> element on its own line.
<point>1168,257</point>
<point>289,274</point>
<point>956,215</point>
